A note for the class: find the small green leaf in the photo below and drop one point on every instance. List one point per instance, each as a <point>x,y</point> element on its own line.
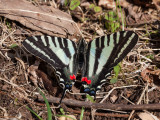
<point>112,26</point>
<point>62,111</point>
<point>82,113</point>
<point>107,25</point>
<point>112,21</point>
<point>106,16</point>
<point>117,25</point>
<point>112,16</point>
<point>150,57</point>
<point>97,9</point>
<point>91,6</point>
<point>90,98</point>
<point>66,2</point>
<point>74,4</point>
<point>117,69</point>
<point>113,80</point>
<point>13,45</point>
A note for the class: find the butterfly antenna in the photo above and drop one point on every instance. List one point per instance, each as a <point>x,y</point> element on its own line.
<point>64,92</point>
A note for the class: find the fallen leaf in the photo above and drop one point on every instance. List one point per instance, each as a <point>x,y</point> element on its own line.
<point>157,58</point>
<point>70,117</point>
<point>113,98</point>
<point>157,4</point>
<point>33,75</point>
<point>151,76</point>
<point>147,116</point>
<point>146,75</point>
<point>108,4</point>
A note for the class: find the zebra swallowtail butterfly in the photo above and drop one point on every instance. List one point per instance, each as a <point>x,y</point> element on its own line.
<point>95,59</point>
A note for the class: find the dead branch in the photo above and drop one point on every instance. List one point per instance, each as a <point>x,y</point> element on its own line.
<point>39,18</point>
<point>102,105</point>
<point>100,114</point>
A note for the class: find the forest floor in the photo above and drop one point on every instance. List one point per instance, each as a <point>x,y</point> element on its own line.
<point>21,74</point>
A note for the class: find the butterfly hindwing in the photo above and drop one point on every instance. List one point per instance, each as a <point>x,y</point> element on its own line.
<point>102,54</point>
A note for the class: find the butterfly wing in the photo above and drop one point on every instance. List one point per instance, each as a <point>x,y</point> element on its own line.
<point>60,53</point>
<point>102,54</point>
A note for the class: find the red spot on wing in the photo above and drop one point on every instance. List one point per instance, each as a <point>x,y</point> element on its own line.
<point>72,77</point>
<point>86,80</point>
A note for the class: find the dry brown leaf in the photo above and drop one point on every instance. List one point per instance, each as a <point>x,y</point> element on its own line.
<point>157,3</point>
<point>66,118</point>
<point>108,4</point>
<point>145,3</point>
<point>113,98</point>
<point>46,82</point>
<point>156,77</point>
<point>33,75</point>
<point>157,58</point>
<point>151,76</point>
<point>145,75</point>
<point>135,14</point>
<point>147,116</point>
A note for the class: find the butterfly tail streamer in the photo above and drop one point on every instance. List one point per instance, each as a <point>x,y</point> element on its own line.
<point>63,94</point>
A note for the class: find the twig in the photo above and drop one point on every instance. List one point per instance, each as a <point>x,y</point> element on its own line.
<point>114,89</point>
<point>77,103</point>
<point>139,101</point>
<point>101,114</point>
<point>2,40</point>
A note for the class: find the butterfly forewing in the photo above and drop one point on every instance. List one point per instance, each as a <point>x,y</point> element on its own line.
<point>60,53</point>
<point>104,53</point>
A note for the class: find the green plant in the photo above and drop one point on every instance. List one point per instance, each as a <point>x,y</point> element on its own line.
<point>62,111</point>
<point>116,70</point>
<point>48,108</point>
<point>13,45</point>
<point>150,56</point>
<point>74,4</point>
<point>90,98</point>
<point>122,16</point>
<point>63,114</point>
<point>82,113</point>
<point>8,23</point>
<point>34,113</point>
<point>95,8</point>
<point>112,22</point>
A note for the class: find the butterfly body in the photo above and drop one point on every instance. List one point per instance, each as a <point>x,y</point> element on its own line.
<point>95,60</point>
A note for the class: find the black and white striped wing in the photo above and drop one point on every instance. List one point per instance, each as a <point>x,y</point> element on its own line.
<point>102,55</point>
<point>60,53</point>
